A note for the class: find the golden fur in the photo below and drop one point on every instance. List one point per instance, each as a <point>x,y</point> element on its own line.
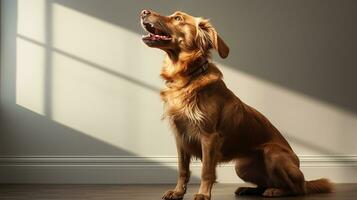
<point>213,124</point>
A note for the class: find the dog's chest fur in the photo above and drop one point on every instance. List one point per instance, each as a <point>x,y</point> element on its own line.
<point>182,104</point>
<point>185,116</point>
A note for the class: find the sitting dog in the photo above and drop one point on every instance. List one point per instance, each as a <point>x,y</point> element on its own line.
<point>210,122</point>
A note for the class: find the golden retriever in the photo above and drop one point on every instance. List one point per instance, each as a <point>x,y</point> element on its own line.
<point>210,122</point>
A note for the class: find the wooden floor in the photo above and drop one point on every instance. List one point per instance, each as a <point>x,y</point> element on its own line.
<point>142,192</point>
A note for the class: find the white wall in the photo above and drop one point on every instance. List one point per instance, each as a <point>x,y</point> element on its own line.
<point>79,90</point>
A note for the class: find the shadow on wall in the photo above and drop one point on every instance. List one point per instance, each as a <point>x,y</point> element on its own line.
<point>306,46</point>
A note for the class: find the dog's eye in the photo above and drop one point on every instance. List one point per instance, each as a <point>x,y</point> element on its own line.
<point>178,18</point>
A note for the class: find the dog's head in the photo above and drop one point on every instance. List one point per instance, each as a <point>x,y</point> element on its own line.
<point>181,32</point>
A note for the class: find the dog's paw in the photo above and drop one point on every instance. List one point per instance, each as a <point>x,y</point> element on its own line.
<point>244,191</point>
<point>274,192</point>
<point>249,191</point>
<point>172,195</point>
<point>201,197</point>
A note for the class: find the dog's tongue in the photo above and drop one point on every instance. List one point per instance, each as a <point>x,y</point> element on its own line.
<point>159,37</point>
<point>151,36</point>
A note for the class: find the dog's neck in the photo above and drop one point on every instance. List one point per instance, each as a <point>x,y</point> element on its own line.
<point>187,69</point>
<point>198,69</point>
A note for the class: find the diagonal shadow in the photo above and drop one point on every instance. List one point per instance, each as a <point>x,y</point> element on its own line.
<point>48,60</point>
<point>92,64</point>
<point>306,46</point>
<point>313,146</point>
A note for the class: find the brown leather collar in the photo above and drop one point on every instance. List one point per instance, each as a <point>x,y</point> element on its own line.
<point>199,70</point>
<point>192,74</point>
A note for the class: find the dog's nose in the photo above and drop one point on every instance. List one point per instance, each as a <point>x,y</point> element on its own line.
<point>145,13</point>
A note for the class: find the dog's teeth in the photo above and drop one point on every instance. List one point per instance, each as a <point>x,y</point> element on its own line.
<point>152,25</point>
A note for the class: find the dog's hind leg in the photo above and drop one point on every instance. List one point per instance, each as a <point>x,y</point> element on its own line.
<point>252,169</point>
<point>285,177</point>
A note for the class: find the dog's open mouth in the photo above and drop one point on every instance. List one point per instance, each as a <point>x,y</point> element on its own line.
<point>155,33</point>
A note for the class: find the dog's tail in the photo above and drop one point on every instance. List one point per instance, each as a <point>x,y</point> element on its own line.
<point>321,185</point>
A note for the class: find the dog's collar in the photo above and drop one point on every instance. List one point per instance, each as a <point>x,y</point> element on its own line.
<point>193,74</point>
<point>199,70</point>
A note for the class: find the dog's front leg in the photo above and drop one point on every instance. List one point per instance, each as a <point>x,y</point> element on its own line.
<point>184,159</point>
<point>209,144</point>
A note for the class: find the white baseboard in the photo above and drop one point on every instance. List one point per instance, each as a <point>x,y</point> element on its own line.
<point>153,170</point>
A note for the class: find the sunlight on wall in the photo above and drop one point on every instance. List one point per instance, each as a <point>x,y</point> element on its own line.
<point>30,57</point>
<point>31,19</point>
<point>30,76</point>
<point>98,102</point>
<point>105,107</point>
<point>104,43</point>
<point>312,126</point>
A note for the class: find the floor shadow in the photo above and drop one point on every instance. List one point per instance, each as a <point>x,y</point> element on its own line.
<point>306,46</point>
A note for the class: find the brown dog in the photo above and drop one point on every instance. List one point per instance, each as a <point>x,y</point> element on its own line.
<point>213,124</point>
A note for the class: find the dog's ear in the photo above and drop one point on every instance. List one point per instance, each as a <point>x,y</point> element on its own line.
<point>208,37</point>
